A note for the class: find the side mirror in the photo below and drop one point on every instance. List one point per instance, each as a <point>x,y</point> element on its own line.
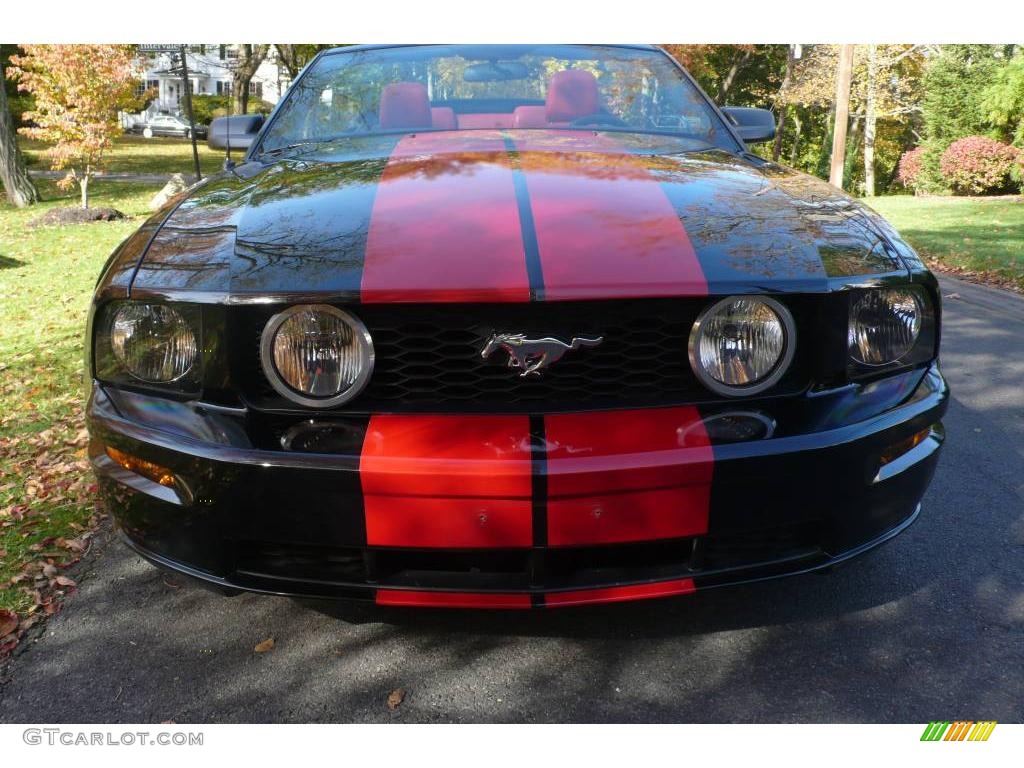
<point>753,125</point>
<point>240,129</point>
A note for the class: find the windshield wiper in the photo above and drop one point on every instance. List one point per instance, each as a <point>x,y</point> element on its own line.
<point>311,144</point>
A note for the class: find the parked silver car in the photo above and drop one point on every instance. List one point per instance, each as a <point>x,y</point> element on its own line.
<point>167,125</point>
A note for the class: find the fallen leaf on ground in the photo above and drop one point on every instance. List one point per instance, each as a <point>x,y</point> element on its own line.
<point>265,646</point>
<point>64,581</point>
<point>8,621</point>
<point>395,698</point>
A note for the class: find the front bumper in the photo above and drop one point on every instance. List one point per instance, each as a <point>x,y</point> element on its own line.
<point>519,512</point>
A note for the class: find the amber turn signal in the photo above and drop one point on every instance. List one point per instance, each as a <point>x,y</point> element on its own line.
<point>147,469</point>
<point>896,450</point>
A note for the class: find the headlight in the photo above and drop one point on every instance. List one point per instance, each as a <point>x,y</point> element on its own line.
<point>884,325</point>
<point>153,342</point>
<point>742,345</point>
<point>317,355</point>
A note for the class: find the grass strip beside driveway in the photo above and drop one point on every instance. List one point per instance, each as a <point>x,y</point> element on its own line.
<point>47,505</point>
<point>974,237</point>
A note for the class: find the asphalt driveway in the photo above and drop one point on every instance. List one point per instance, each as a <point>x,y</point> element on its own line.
<point>930,627</point>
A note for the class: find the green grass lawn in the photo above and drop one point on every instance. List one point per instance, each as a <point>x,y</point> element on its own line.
<point>135,154</point>
<point>46,279</point>
<point>963,234</point>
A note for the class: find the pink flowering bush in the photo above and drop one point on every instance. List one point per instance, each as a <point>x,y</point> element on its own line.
<point>977,165</point>
<point>911,168</point>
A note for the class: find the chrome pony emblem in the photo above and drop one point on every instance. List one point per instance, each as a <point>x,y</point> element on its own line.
<point>533,355</point>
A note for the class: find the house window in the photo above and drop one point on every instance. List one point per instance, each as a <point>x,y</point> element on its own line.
<point>256,89</point>
<point>223,87</point>
<point>147,85</point>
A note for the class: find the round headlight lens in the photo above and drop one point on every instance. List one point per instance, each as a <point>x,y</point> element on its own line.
<point>317,355</point>
<point>153,342</point>
<point>742,345</point>
<point>884,324</point>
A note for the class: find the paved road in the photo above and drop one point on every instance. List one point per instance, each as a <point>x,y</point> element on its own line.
<point>929,627</point>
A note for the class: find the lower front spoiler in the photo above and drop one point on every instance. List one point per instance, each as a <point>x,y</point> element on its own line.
<point>243,519</point>
<point>683,583</point>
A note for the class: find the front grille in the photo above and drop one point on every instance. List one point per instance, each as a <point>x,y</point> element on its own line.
<point>428,357</point>
<point>528,569</point>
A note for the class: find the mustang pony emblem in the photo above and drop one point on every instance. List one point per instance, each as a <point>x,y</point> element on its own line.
<point>531,355</point>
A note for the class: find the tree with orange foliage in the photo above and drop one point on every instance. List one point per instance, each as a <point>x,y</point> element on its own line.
<point>78,92</point>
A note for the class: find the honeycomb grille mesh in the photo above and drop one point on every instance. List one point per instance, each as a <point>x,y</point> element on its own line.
<point>428,356</point>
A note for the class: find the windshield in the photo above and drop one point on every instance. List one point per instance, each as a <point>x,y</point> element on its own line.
<point>488,87</point>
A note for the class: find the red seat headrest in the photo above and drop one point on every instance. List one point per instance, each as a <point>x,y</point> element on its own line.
<point>443,118</point>
<point>405,105</point>
<point>529,117</point>
<point>572,93</point>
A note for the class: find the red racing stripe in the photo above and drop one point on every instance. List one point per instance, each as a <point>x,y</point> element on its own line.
<point>620,594</point>
<point>447,481</point>
<point>424,599</point>
<point>622,476</point>
<point>605,228</point>
<point>445,223</point>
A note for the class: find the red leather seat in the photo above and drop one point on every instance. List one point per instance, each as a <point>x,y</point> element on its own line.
<point>529,117</point>
<point>572,93</point>
<point>405,105</point>
<point>486,120</point>
<point>443,118</point>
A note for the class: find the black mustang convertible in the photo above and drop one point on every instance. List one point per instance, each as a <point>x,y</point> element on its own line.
<point>510,327</point>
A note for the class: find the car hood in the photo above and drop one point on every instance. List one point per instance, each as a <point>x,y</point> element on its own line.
<point>513,216</point>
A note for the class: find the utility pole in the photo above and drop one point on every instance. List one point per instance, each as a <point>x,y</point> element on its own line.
<point>188,107</point>
<point>844,74</point>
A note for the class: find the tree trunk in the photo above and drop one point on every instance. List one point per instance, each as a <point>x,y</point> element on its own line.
<point>240,96</point>
<point>784,107</point>
<point>853,148</point>
<point>844,74</point>
<point>83,183</point>
<point>15,179</point>
<point>249,59</point>
<point>288,56</point>
<point>798,125</point>
<point>738,63</point>
<point>870,118</point>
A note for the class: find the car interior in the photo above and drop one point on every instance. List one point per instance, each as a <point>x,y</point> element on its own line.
<point>572,99</point>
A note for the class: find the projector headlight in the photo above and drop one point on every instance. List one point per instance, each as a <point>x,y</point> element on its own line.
<point>884,325</point>
<point>742,345</point>
<point>317,355</point>
<point>153,342</point>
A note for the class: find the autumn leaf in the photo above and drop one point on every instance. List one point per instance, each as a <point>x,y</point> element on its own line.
<point>8,621</point>
<point>64,581</point>
<point>395,698</point>
<point>265,646</point>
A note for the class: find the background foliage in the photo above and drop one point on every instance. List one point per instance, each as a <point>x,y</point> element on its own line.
<point>924,96</point>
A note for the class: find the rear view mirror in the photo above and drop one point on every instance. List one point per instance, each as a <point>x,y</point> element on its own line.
<point>236,132</point>
<point>495,72</point>
<point>753,125</point>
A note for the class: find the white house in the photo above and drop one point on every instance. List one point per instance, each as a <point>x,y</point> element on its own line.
<point>210,71</point>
